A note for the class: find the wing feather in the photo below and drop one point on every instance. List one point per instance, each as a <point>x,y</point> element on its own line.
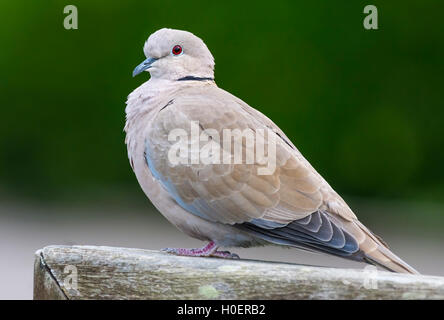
<point>236,193</point>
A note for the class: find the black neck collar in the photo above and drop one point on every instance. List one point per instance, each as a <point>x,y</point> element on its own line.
<point>193,78</point>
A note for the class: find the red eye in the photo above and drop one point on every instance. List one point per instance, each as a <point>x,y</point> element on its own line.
<point>177,50</point>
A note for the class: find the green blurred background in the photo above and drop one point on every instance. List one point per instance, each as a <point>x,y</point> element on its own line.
<point>364,106</point>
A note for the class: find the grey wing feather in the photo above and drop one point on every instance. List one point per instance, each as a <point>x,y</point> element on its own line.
<point>316,232</point>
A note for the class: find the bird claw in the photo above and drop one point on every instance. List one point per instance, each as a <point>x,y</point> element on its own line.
<point>187,252</point>
<point>225,255</point>
<point>207,251</point>
<point>169,250</point>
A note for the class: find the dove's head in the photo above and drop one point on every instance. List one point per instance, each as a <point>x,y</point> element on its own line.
<point>176,54</point>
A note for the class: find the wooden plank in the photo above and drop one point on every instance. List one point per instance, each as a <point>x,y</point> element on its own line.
<point>45,285</point>
<point>88,272</point>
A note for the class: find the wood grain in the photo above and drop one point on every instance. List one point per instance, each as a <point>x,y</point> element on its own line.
<point>125,273</point>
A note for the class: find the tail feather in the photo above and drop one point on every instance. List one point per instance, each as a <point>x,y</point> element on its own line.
<point>348,239</point>
<point>375,251</point>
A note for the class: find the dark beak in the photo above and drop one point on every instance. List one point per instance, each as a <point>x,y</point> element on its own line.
<point>145,65</point>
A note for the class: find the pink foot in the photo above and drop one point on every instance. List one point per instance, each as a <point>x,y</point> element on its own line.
<point>210,250</point>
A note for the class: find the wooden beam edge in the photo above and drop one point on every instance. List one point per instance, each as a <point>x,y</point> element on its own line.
<point>127,273</point>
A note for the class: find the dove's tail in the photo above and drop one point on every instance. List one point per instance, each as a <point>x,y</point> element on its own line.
<point>375,251</point>
<point>324,233</point>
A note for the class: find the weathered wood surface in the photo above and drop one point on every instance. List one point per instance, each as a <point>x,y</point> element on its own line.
<point>87,272</point>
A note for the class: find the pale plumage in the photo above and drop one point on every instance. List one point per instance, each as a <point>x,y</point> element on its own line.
<point>231,204</point>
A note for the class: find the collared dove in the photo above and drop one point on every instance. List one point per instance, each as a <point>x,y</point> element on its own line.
<point>231,204</point>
